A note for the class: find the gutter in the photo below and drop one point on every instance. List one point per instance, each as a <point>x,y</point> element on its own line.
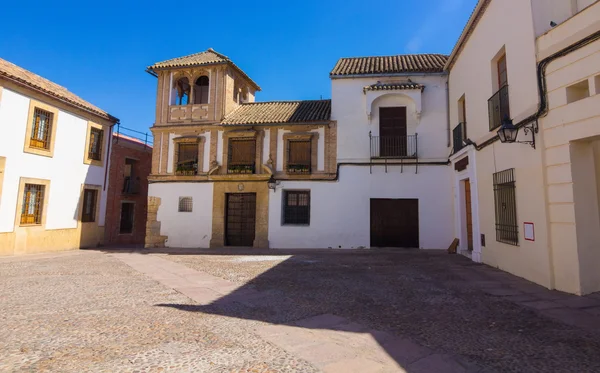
<point>331,179</point>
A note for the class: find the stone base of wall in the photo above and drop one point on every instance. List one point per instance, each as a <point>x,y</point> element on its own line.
<point>153,237</point>
<point>33,240</point>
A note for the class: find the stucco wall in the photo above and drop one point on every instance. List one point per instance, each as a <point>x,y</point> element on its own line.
<point>473,75</point>
<point>340,211</point>
<point>350,108</point>
<point>65,169</point>
<point>184,229</point>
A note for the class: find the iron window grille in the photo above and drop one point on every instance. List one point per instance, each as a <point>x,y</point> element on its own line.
<point>187,160</point>
<point>499,107</point>
<point>296,207</point>
<point>33,202</point>
<point>89,205</point>
<point>507,230</point>
<point>241,157</point>
<point>95,146</point>
<point>185,204</point>
<point>41,130</point>
<point>299,154</point>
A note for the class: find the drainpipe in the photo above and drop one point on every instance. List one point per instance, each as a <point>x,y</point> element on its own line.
<point>448,111</point>
<point>108,153</point>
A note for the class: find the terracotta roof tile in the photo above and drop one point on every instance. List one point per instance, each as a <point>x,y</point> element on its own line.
<point>408,63</point>
<point>18,74</point>
<point>208,57</point>
<point>393,86</point>
<point>280,112</point>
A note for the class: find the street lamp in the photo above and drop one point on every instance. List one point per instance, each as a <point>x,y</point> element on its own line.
<point>508,132</point>
<point>272,183</point>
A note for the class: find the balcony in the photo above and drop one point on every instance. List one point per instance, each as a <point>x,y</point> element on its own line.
<point>130,186</point>
<point>298,169</point>
<point>499,108</point>
<point>187,168</point>
<point>459,134</point>
<point>196,112</point>
<point>394,147</point>
<point>240,169</point>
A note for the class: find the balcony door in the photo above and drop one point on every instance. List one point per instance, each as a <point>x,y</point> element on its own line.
<point>392,131</point>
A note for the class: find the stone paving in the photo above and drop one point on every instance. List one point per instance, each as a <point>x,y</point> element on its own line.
<point>297,311</point>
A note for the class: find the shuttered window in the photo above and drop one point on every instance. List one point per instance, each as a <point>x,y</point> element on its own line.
<point>187,159</point>
<point>299,157</point>
<point>507,230</point>
<point>296,207</point>
<point>241,157</point>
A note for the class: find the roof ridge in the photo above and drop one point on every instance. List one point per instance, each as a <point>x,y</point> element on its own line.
<point>217,53</point>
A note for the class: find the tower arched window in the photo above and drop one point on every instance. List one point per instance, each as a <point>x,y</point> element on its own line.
<point>201,90</point>
<point>183,91</point>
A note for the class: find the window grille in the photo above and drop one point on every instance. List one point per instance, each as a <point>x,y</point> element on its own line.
<point>296,207</point>
<point>507,230</point>
<point>41,130</point>
<point>89,205</point>
<point>241,157</point>
<point>95,148</point>
<point>33,202</point>
<point>185,204</point>
<point>187,159</point>
<point>299,157</point>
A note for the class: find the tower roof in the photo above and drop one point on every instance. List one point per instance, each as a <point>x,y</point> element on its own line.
<point>208,57</point>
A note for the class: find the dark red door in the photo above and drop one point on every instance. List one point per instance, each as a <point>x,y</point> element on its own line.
<point>394,223</point>
<point>241,219</point>
<point>392,131</point>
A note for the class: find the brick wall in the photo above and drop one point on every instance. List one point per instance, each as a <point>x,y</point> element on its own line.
<point>122,150</point>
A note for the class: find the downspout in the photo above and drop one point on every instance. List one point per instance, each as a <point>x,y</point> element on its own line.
<point>448,111</point>
<point>110,131</point>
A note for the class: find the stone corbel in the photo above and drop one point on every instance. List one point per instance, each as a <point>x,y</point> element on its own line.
<point>214,167</point>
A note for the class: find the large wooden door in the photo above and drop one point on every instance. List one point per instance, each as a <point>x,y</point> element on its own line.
<point>240,219</point>
<point>392,131</point>
<point>469,214</point>
<point>394,223</point>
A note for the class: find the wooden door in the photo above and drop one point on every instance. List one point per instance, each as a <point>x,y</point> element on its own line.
<point>502,73</point>
<point>395,223</point>
<point>392,131</point>
<point>469,214</point>
<point>240,218</point>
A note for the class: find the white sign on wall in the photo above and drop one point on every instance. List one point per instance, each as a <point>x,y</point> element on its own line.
<point>529,231</point>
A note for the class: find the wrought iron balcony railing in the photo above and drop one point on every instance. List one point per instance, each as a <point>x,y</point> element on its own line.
<point>499,107</point>
<point>458,137</point>
<point>187,168</point>
<point>394,147</point>
<point>240,168</point>
<point>130,186</point>
<point>298,168</point>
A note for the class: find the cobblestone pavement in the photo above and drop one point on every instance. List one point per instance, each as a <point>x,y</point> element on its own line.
<point>92,312</point>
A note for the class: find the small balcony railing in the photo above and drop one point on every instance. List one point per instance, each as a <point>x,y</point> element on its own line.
<point>499,108</point>
<point>187,169</point>
<point>240,169</point>
<point>394,147</point>
<point>130,186</point>
<point>458,137</point>
<point>298,168</point>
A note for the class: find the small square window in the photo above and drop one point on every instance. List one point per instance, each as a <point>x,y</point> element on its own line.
<point>185,204</point>
<point>33,202</point>
<point>296,207</point>
<point>90,197</point>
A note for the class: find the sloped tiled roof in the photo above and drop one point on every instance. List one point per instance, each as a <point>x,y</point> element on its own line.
<point>208,57</point>
<point>408,63</point>
<point>280,112</point>
<point>24,77</point>
<point>393,86</point>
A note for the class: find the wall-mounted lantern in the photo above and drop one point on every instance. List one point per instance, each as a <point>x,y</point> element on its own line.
<point>272,183</point>
<point>508,132</point>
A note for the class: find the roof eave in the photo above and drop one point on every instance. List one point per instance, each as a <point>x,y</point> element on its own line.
<point>413,73</point>
<point>322,122</point>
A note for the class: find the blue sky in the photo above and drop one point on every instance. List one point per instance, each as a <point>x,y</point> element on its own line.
<point>99,50</point>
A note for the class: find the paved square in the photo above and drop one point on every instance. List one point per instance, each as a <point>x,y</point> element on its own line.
<point>298,311</point>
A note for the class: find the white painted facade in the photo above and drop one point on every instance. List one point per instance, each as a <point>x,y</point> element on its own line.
<point>65,169</point>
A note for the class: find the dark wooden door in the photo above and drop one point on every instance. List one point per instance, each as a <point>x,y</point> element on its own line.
<point>394,223</point>
<point>392,131</point>
<point>240,219</point>
<point>469,214</point>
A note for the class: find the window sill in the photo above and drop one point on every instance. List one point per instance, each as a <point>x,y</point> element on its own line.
<point>295,225</point>
<point>39,151</point>
<point>29,225</point>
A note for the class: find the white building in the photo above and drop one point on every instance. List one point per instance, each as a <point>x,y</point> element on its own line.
<point>53,163</point>
<point>367,168</point>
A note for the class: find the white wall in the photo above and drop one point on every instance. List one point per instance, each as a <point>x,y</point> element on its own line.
<point>66,170</point>
<point>184,229</point>
<point>340,210</point>
<point>349,108</point>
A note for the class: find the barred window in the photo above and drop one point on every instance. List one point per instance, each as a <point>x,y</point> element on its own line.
<point>299,157</point>
<point>41,130</point>
<point>33,202</point>
<point>185,204</point>
<point>507,230</point>
<point>89,205</point>
<point>241,157</point>
<point>187,159</point>
<point>95,146</point>
<point>296,207</point>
